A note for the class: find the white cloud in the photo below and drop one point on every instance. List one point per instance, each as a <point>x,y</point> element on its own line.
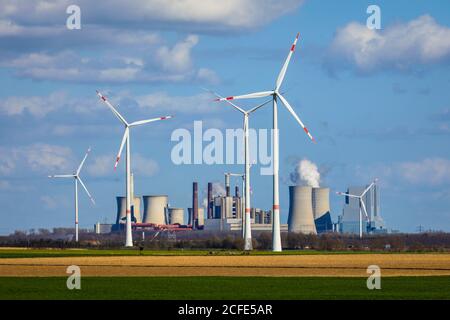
<point>432,171</point>
<point>144,166</point>
<point>103,165</point>
<point>53,202</point>
<point>400,46</point>
<point>199,103</point>
<point>38,158</point>
<point>178,59</point>
<point>205,15</point>
<point>37,106</point>
<point>429,172</point>
<point>154,64</point>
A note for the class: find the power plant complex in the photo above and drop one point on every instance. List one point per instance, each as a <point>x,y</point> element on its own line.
<point>309,212</point>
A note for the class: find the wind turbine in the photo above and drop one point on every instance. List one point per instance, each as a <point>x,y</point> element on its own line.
<point>247,231</point>
<point>362,206</point>
<point>126,139</point>
<point>77,178</point>
<point>275,94</point>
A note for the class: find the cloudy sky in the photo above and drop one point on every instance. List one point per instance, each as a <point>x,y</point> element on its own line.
<point>377,101</point>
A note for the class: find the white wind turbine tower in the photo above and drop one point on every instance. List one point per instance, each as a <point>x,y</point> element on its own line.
<point>276,236</point>
<point>362,206</point>
<point>77,178</point>
<point>126,139</point>
<point>247,226</point>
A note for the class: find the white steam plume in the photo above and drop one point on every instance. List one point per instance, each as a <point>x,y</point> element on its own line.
<point>306,172</point>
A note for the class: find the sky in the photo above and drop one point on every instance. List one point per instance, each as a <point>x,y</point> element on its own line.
<point>377,101</point>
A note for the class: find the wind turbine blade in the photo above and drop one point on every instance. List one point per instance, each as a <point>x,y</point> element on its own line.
<point>367,189</point>
<point>220,98</point>
<point>85,189</point>
<point>261,94</point>
<point>124,139</point>
<point>364,209</point>
<point>286,64</point>
<point>82,162</point>
<point>288,106</point>
<point>62,176</point>
<point>116,113</point>
<point>370,186</point>
<point>137,123</point>
<point>258,106</point>
<point>347,195</point>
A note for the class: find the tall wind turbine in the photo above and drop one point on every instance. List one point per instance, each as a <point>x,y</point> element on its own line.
<point>76,176</point>
<point>275,94</point>
<point>247,231</point>
<point>126,139</point>
<point>362,206</point>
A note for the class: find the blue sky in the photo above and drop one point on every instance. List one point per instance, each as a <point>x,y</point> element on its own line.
<point>376,101</point>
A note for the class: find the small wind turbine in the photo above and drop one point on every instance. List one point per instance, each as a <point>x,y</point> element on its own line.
<point>275,94</point>
<point>362,206</point>
<point>77,179</point>
<point>247,231</point>
<point>126,138</point>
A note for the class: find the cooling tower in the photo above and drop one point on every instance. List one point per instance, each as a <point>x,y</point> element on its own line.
<point>201,217</point>
<point>154,209</point>
<point>122,208</point>
<point>320,202</point>
<point>301,217</point>
<point>176,215</point>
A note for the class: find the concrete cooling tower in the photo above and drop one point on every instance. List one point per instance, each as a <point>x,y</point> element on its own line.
<point>201,216</point>
<point>320,202</point>
<point>176,216</point>
<point>154,209</point>
<point>301,217</point>
<point>122,209</point>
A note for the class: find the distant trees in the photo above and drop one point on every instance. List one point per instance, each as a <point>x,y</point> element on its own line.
<point>63,238</point>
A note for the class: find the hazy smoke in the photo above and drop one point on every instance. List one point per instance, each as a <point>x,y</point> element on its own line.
<point>217,190</point>
<point>306,172</point>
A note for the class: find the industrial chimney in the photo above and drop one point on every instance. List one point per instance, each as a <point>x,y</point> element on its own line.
<point>210,201</point>
<point>227,184</point>
<point>301,216</point>
<point>195,205</point>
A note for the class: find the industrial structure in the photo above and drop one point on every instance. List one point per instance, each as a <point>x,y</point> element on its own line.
<point>361,214</point>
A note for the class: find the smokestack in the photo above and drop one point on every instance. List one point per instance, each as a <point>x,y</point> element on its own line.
<point>194,205</point>
<point>227,184</point>
<point>210,201</point>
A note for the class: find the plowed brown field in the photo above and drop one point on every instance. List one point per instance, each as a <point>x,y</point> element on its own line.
<point>292,265</point>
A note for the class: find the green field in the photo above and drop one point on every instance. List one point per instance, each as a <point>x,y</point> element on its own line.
<point>42,253</point>
<point>218,288</point>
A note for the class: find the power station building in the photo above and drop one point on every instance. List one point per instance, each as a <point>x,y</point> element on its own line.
<point>348,222</point>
